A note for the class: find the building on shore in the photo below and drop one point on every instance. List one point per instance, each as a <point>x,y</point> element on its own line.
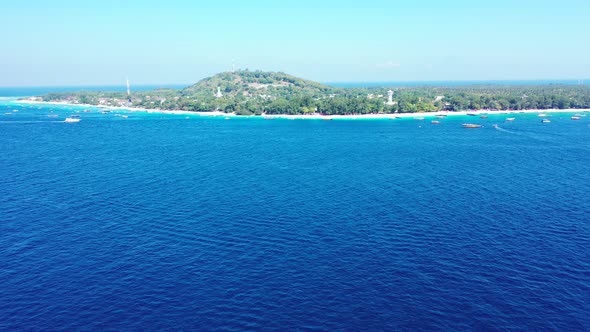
<point>390,98</point>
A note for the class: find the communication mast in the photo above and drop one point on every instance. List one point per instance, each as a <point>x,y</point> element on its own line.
<point>128,91</point>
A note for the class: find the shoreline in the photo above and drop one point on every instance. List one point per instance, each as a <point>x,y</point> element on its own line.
<point>313,116</point>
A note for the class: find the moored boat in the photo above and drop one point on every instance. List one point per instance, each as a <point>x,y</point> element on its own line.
<point>510,119</point>
<point>435,122</point>
<point>576,118</point>
<point>72,120</point>
<point>471,125</point>
<point>545,121</point>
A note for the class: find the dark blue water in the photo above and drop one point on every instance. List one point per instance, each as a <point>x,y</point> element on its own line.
<point>159,222</point>
<point>453,83</point>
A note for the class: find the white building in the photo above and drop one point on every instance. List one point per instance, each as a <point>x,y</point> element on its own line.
<point>218,94</point>
<point>390,97</point>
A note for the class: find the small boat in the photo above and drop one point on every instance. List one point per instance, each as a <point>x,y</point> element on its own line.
<point>542,115</point>
<point>72,120</point>
<point>576,118</point>
<point>227,118</point>
<point>510,119</point>
<point>471,125</point>
<point>545,121</point>
<point>87,111</point>
<point>471,114</point>
<point>124,116</point>
<point>435,122</point>
<point>483,117</point>
<point>52,115</point>
<point>441,116</point>
<point>420,118</point>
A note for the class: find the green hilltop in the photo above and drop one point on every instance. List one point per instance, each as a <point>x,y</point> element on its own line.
<point>256,83</point>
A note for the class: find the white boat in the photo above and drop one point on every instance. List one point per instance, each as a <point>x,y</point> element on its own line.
<point>419,119</point>
<point>576,118</point>
<point>471,125</point>
<point>227,118</point>
<point>72,120</point>
<point>545,121</point>
<point>510,119</point>
<point>542,115</point>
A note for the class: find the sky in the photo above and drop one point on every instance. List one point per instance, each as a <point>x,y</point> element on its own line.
<point>64,42</point>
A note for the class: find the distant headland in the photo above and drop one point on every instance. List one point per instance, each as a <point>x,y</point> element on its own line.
<point>247,92</point>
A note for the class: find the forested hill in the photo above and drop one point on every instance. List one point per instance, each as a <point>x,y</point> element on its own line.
<point>256,92</point>
<point>246,82</point>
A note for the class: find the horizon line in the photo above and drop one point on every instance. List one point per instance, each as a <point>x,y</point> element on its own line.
<point>164,85</point>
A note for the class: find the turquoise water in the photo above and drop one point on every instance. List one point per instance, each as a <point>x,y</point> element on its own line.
<point>157,222</point>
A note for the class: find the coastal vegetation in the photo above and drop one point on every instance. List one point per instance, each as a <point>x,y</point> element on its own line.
<point>247,92</point>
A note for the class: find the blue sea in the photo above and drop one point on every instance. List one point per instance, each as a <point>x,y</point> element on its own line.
<point>41,90</point>
<point>168,222</point>
<point>459,83</point>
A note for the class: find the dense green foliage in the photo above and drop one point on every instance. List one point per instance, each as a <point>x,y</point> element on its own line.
<point>256,92</point>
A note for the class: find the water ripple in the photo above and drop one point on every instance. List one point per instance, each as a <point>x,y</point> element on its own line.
<point>162,223</point>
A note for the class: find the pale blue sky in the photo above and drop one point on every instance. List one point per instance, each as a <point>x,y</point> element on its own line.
<point>64,42</point>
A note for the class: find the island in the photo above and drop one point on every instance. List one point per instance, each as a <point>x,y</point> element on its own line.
<point>246,92</point>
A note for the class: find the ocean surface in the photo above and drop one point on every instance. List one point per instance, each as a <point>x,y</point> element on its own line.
<point>41,90</point>
<point>168,222</point>
<point>453,83</point>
